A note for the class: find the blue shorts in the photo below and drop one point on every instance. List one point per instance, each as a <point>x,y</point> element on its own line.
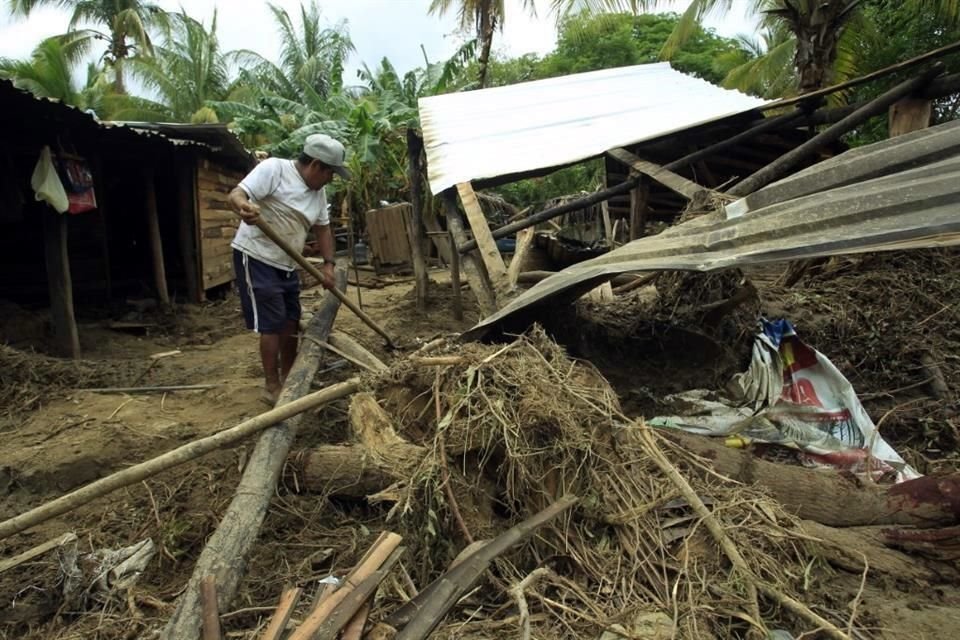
<point>270,297</point>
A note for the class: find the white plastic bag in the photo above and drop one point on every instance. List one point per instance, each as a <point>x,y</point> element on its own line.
<point>46,183</point>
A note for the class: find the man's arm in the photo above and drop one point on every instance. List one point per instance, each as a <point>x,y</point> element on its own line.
<point>240,203</point>
<point>325,247</point>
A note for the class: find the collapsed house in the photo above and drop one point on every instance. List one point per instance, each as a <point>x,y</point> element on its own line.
<point>148,215</point>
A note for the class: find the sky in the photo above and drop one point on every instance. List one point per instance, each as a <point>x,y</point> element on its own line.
<point>391,28</point>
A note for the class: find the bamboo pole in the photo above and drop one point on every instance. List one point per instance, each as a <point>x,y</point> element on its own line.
<point>170,459</point>
<point>278,623</point>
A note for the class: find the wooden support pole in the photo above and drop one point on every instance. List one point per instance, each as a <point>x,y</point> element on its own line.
<point>226,552</point>
<point>187,226</point>
<point>486,245</point>
<point>676,183</point>
<point>59,283</point>
<point>789,161</point>
<point>524,242</point>
<point>476,276</point>
<point>414,151</point>
<point>909,114</point>
<point>639,199</point>
<point>100,189</point>
<point>156,243</point>
<point>455,279</point>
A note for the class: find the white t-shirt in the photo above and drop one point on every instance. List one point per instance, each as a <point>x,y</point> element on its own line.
<point>287,204</point>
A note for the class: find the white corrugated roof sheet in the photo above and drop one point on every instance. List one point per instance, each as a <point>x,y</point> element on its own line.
<point>547,123</point>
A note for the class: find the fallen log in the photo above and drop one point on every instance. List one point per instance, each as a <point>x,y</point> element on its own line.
<point>830,497</point>
<point>178,456</point>
<point>225,554</point>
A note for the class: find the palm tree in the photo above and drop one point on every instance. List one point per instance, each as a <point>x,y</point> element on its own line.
<point>127,25</point>
<point>817,27</point>
<point>483,16</point>
<point>186,72</point>
<point>48,73</point>
<point>311,57</point>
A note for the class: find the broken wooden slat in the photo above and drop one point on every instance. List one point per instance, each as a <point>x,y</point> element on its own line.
<point>420,616</point>
<point>36,552</point>
<point>211,614</point>
<point>485,242</point>
<point>348,348</point>
<point>354,628</point>
<point>524,242</point>
<point>475,274</point>
<point>676,183</point>
<point>373,559</point>
<point>278,623</point>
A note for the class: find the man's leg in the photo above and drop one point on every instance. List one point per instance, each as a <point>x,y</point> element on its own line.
<point>288,344</point>
<point>270,358</point>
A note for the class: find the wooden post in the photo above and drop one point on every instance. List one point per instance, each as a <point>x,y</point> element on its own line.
<point>909,114</point>
<point>472,269</point>
<point>638,209</point>
<point>211,613</point>
<point>455,279</point>
<point>156,243</point>
<point>524,242</point>
<point>188,222</point>
<point>607,227</point>
<point>485,243</point>
<point>415,228</point>
<point>59,282</point>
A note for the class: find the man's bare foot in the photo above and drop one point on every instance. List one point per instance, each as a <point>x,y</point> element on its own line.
<point>271,395</point>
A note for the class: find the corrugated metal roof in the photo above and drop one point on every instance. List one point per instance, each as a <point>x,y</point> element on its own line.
<point>899,209</point>
<point>548,123</point>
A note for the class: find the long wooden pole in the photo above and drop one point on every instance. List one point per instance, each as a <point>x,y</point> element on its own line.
<point>414,151</point>
<point>313,271</point>
<point>226,551</point>
<point>789,161</point>
<point>170,459</point>
<point>156,243</point>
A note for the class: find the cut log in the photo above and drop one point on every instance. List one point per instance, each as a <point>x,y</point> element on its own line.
<point>850,548</point>
<point>474,271</point>
<point>830,497</point>
<point>374,429</point>
<point>336,470</point>
<point>226,552</point>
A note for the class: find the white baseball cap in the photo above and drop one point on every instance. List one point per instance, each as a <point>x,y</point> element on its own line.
<point>328,151</point>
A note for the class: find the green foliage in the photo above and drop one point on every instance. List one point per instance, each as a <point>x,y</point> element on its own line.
<point>586,176</point>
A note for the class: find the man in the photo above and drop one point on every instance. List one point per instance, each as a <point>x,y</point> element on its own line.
<point>289,196</point>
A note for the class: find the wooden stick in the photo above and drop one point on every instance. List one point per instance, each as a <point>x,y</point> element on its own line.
<point>160,389</point>
<point>278,623</point>
<point>455,279</point>
<point>354,628</point>
<point>313,271</point>
<point>36,552</point>
<point>437,361</point>
<point>637,283</point>
<point>420,616</point>
<point>790,160</point>
<point>178,456</point>
<point>211,615</point>
<point>376,555</point>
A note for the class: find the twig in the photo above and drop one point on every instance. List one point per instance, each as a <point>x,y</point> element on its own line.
<point>856,600</point>
<point>517,591</point>
<point>445,472</point>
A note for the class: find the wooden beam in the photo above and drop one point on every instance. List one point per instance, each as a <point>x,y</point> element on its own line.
<point>487,246</point>
<point>677,183</point>
<point>909,114</point>
<point>59,283</point>
<point>789,161</point>
<point>476,276</point>
<point>455,278</point>
<point>415,229</point>
<point>639,200</point>
<point>524,242</point>
<point>156,243</point>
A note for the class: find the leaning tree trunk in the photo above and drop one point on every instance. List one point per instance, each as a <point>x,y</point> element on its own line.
<point>487,27</point>
<point>817,27</point>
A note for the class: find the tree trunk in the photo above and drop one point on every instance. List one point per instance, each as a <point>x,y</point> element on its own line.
<point>225,554</point>
<point>817,28</point>
<point>830,497</point>
<point>487,27</point>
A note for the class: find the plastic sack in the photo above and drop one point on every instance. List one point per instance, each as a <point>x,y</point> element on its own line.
<point>798,399</point>
<point>46,183</point>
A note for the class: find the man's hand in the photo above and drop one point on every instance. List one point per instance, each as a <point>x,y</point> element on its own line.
<point>329,278</point>
<point>249,212</point>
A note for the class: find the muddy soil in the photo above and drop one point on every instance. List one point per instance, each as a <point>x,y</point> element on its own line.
<point>57,438</point>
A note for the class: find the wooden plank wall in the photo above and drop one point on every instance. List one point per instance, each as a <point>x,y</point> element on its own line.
<point>217,223</point>
<point>387,233</point>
